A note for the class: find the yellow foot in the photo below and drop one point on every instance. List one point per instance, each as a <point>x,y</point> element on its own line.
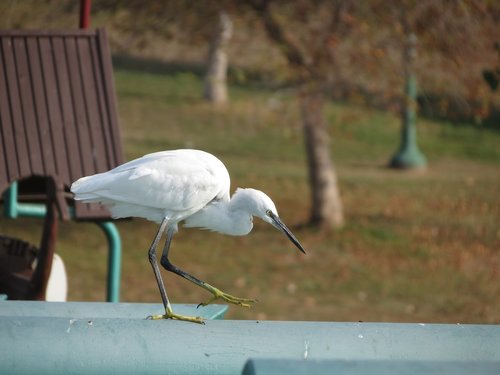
<point>172,315</point>
<point>218,294</point>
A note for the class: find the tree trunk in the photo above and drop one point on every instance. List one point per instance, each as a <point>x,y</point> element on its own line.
<point>326,203</point>
<point>326,209</point>
<point>215,86</point>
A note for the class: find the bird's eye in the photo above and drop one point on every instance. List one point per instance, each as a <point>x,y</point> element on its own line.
<point>269,212</point>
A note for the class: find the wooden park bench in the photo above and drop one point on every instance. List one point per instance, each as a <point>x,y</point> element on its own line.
<point>58,122</point>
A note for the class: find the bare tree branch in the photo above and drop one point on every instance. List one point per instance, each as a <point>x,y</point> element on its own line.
<point>290,48</point>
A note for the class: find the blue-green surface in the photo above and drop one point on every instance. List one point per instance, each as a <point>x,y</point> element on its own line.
<point>101,310</point>
<point>96,338</point>
<point>383,367</point>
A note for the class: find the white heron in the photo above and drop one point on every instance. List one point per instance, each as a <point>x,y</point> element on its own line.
<point>168,187</point>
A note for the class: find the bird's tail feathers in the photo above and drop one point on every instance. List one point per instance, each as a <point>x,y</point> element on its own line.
<point>89,188</point>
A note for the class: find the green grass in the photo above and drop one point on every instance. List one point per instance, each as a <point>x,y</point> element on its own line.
<point>416,247</point>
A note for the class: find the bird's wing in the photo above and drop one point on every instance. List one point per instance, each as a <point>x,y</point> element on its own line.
<point>166,180</point>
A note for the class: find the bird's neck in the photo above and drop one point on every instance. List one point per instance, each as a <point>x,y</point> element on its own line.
<point>225,217</point>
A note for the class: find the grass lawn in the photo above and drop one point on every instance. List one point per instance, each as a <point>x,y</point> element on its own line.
<point>416,247</point>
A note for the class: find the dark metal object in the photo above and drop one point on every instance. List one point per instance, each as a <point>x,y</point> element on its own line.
<point>85,14</point>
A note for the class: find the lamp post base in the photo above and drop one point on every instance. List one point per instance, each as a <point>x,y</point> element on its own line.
<point>409,158</point>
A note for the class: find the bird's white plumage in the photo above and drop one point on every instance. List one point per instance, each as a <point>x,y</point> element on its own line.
<point>172,184</point>
<point>180,185</point>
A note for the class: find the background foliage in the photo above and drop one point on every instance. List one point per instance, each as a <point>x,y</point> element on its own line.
<point>416,247</point>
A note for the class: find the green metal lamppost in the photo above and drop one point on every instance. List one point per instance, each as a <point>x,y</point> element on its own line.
<point>409,155</point>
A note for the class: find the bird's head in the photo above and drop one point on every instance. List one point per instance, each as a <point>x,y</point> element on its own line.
<point>260,205</point>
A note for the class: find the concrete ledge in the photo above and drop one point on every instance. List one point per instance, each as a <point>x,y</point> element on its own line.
<point>94,310</point>
<point>93,338</point>
<point>380,367</point>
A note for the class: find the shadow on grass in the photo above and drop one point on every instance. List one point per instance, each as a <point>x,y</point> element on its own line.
<point>156,66</point>
<point>236,76</point>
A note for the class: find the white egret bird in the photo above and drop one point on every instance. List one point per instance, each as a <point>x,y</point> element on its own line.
<point>181,185</point>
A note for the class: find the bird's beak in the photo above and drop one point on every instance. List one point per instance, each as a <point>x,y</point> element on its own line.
<point>277,223</point>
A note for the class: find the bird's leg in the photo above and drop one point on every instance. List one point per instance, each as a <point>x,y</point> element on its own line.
<point>169,314</point>
<point>217,293</point>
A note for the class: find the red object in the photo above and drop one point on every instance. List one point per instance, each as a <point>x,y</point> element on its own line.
<point>85,14</point>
